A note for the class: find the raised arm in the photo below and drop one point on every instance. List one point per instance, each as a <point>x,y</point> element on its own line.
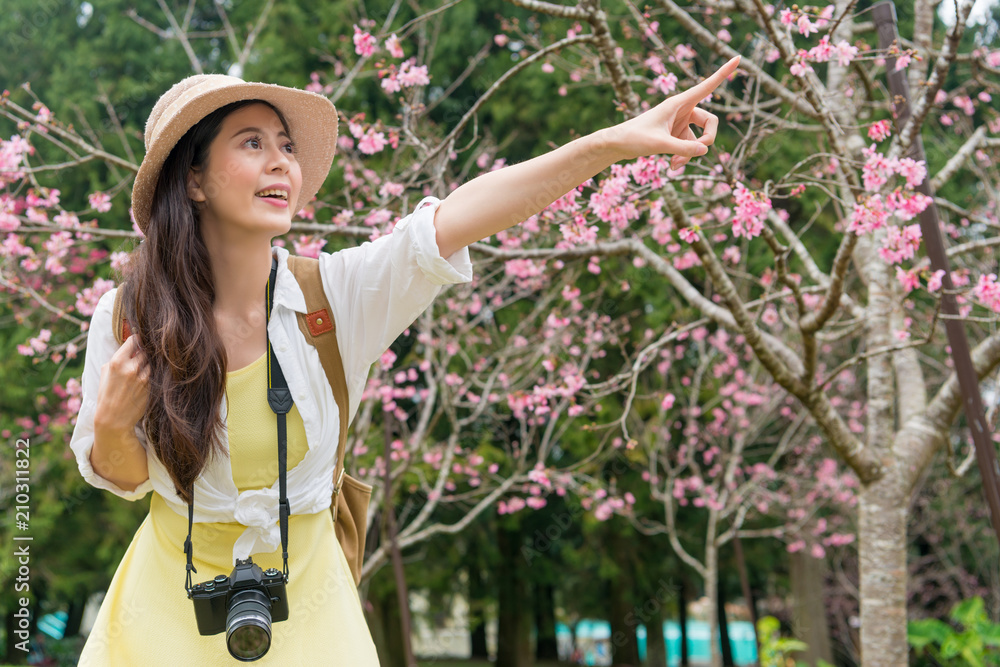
<point>501,199</point>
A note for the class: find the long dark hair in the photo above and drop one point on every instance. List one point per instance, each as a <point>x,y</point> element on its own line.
<point>169,292</point>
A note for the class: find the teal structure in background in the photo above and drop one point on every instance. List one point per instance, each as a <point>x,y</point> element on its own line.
<point>593,637</point>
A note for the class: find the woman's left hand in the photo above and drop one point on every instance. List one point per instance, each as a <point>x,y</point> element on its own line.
<point>666,128</point>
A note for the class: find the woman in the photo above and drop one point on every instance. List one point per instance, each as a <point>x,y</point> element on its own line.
<point>180,408</point>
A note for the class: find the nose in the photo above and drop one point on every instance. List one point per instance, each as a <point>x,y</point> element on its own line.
<point>279,160</point>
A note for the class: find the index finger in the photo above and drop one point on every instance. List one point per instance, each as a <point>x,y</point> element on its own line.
<point>703,89</point>
<point>132,346</point>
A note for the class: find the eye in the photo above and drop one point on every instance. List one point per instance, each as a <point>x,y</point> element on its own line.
<point>290,147</point>
<point>254,139</point>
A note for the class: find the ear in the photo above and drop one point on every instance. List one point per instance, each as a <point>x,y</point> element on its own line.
<point>194,189</point>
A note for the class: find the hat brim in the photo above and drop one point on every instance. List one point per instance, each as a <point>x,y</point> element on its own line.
<point>312,123</point>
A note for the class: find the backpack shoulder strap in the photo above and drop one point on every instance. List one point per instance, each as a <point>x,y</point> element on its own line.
<point>118,322</point>
<point>318,327</point>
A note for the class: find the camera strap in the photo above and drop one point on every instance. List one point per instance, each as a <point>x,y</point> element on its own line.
<point>280,400</point>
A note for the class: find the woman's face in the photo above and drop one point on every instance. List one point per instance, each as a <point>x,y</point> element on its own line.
<point>251,177</point>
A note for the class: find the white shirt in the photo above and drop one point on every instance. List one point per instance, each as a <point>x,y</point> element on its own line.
<point>376,291</point>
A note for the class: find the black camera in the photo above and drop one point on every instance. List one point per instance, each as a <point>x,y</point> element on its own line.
<point>244,604</point>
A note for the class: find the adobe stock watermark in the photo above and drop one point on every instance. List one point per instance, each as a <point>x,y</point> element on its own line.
<point>21,548</point>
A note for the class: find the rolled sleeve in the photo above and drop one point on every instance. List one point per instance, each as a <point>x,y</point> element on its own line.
<point>437,269</point>
<point>101,346</point>
<point>379,288</point>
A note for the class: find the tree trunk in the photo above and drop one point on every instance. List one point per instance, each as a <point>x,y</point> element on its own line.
<point>882,514</point>
<point>546,647</point>
<point>682,616</point>
<point>656,645</point>
<point>402,590</point>
<point>711,592</point>
<point>624,643</point>
<point>809,622</point>
<point>477,612</point>
<point>724,644</point>
<point>514,631</point>
<point>74,617</point>
<point>386,628</point>
<point>13,655</point>
<point>741,564</point>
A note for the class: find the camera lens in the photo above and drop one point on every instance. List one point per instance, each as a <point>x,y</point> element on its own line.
<point>248,625</point>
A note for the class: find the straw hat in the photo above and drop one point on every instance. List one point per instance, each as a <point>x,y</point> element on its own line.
<point>311,118</point>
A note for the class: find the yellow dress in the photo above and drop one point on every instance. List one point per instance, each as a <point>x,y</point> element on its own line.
<point>146,618</point>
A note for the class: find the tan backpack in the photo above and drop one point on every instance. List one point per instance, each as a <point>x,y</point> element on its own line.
<point>349,504</point>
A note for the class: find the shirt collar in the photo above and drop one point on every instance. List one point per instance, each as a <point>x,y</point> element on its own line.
<point>287,292</point>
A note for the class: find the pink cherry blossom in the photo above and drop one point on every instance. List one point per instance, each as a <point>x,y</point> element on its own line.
<point>648,171</point>
<point>308,246</point>
<point>900,244</point>
<point>914,171</point>
<point>36,345</point>
<point>314,85</point>
<point>751,209</point>
<point>578,232</point>
<point>839,539</point>
<point>12,247</point>
<point>656,64</point>
<point>372,142</point>
<point>906,207</point>
<point>868,215</point>
<point>823,51</point>
<point>902,60</point>
<point>100,202</point>
<point>539,475</point>
<point>805,25</point>
<point>879,130</point>
<point>688,234</point>
<point>965,103</point>
<point>666,83</point>
<point>846,53</point>
<point>825,16</point>
<point>390,189</point>
<point>908,279</point>
<point>987,292</point>
<point>393,46</point>
<point>364,43</point>
<point>801,64</point>
<point>86,300</point>
<point>934,282</point>
<point>876,170</point>
<point>119,260</point>
<point>11,156</point>
<point>411,74</point>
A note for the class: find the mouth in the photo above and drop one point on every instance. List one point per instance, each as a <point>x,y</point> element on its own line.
<point>275,194</point>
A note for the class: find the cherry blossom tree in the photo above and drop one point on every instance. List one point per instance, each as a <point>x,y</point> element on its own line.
<point>793,239</point>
